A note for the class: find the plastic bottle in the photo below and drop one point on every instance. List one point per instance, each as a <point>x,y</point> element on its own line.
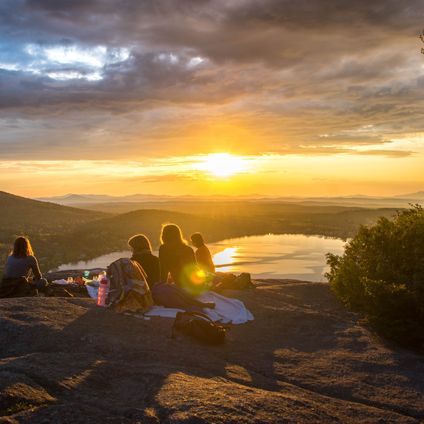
<point>102,292</point>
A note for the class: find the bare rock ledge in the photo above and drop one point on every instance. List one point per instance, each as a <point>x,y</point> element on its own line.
<point>304,359</point>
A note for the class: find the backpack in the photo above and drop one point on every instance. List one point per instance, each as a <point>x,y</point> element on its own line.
<point>128,291</point>
<point>199,326</point>
<point>232,282</point>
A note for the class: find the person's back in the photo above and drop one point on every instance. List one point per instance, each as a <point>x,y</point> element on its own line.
<point>150,264</point>
<point>21,266</point>
<point>142,253</point>
<point>175,259</point>
<point>204,258</point>
<point>203,255</point>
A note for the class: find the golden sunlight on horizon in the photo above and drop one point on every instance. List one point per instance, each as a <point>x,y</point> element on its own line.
<point>218,174</point>
<point>222,165</point>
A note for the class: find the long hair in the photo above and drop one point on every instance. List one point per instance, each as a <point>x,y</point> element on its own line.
<point>22,247</point>
<point>140,242</point>
<point>171,234</point>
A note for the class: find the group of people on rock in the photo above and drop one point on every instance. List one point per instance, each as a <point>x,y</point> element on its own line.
<point>169,276</point>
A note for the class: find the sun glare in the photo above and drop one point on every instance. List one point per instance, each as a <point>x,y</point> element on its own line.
<point>225,258</point>
<point>223,165</point>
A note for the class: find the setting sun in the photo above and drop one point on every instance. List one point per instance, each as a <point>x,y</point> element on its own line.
<point>223,165</point>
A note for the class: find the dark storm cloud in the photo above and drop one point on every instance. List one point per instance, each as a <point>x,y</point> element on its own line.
<point>298,69</point>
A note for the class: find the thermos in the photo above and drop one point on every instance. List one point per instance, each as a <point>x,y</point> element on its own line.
<point>103,291</point>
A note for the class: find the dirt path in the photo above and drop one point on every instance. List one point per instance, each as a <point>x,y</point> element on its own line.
<point>303,359</point>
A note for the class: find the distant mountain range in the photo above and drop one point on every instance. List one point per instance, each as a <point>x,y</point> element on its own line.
<point>417,195</point>
<point>99,198</point>
<point>133,201</point>
<point>72,199</point>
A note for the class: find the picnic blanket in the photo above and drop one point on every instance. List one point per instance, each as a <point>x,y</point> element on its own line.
<point>227,310</point>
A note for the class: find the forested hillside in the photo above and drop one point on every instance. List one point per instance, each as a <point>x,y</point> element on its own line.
<point>63,234</point>
<point>41,221</point>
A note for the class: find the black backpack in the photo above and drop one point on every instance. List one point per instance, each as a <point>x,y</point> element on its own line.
<point>232,282</point>
<point>200,327</point>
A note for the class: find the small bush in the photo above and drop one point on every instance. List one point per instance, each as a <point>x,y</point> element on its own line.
<point>381,273</point>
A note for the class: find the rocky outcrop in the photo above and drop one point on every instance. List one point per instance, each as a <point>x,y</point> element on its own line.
<point>303,359</point>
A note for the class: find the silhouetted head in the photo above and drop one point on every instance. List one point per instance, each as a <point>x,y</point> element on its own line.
<point>197,239</point>
<point>139,242</point>
<point>171,234</point>
<point>22,247</point>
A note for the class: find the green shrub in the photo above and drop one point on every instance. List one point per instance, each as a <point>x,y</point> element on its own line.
<point>381,273</point>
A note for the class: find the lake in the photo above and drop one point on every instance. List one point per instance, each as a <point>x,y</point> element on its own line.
<point>291,256</point>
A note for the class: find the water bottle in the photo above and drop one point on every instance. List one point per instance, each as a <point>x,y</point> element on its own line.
<point>102,292</point>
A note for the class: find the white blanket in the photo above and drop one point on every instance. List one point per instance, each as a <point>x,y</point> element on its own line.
<point>227,310</point>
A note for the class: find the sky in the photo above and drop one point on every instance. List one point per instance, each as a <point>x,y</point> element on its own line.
<point>240,97</point>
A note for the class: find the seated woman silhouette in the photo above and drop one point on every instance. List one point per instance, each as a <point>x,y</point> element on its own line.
<point>203,255</point>
<point>22,275</point>
<point>142,253</point>
<point>164,294</point>
<point>176,258</point>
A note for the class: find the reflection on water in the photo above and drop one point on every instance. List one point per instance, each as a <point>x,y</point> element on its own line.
<point>269,256</point>
<point>225,258</point>
<point>276,255</point>
<point>99,262</point>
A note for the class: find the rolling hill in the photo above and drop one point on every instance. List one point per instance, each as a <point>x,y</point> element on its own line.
<point>21,214</point>
<point>41,221</point>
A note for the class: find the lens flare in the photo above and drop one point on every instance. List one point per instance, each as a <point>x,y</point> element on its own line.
<point>198,276</point>
<point>195,280</point>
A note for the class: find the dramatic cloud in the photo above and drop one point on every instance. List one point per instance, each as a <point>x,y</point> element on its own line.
<point>118,79</point>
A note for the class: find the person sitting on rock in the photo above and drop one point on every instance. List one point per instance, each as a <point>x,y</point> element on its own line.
<point>203,255</point>
<point>142,253</point>
<point>176,258</point>
<point>164,294</point>
<point>22,275</point>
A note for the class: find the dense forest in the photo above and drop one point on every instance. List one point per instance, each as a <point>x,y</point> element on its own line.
<point>62,234</point>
